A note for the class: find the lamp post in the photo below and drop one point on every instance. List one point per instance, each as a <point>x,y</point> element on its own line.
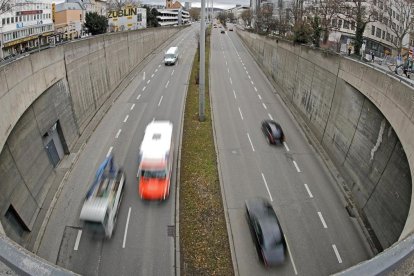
<point>201,88</point>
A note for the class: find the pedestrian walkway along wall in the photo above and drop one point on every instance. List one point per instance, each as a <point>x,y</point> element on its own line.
<point>56,91</point>
<point>364,120</point>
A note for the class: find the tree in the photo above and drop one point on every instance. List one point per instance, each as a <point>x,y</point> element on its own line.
<point>326,11</point>
<point>5,6</point>
<point>222,18</point>
<point>302,32</point>
<point>361,12</point>
<point>96,24</point>
<point>194,14</point>
<point>152,20</point>
<point>402,24</point>
<point>246,16</point>
<point>120,4</point>
<point>230,16</point>
<point>316,37</point>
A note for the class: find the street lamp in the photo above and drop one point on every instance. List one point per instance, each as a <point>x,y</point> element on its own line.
<point>201,93</point>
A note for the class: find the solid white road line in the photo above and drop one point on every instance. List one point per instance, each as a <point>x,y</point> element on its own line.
<point>323,221</point>
<point>152,75</point>
<point>337,253</point>
<point>143,76</point>
<point>139,96</point>
<point>159,103</point>
<point>296,166</point>
<point>126,228</point>
<point>117,134</point>
<point>248,136</point>
<point>260,97</point>
<point>78,237</point>
<point>132,107</point>
<point>109,151</point>
<point>234,93</point>
<point>241,115</point>
<point>167,84</point>
<point>309,192</point>
<point>143,88</point>
<point>172,73</point>
<point>265,107</point>
<point>126,118</point>
<point>148,81</point>
<point>270,116</point>
<point>267,187</point>
<point>255,89</point>
<point>231,81</point>
<point>290,255</point>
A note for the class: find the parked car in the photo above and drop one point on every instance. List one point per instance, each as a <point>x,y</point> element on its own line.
<point>267,233</point>
<point>273,132</point>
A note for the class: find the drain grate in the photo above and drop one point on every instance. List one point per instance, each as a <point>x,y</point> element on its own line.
<point>171,231</point>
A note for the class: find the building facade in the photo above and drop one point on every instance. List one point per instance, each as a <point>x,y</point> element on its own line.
<point>25,26</point>
<point>171,17</point>
<point>69,20</point>
<point>128,18</point>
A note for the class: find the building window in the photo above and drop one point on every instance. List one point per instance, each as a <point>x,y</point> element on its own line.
<point>373,30</point>
<point>12,20</point>
<point>3,21</point>
<point>339,23</point>
<point>378,34</point>
<point>346,24</point>
<point>383,34</point>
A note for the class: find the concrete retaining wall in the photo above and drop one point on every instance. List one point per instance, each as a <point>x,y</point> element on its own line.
<point>65,84</point>
<point>362,117</point>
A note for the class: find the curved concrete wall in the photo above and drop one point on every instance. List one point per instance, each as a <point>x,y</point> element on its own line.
<point>64,85</point>
<point>362,117</point>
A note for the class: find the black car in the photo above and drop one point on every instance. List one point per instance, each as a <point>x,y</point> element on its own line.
<point>231,29</point>
<point>222,31</point>
<point>273,132</point>
<point>266,231</point>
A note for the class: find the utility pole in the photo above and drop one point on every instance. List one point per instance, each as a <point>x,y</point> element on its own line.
<point>201,81</point>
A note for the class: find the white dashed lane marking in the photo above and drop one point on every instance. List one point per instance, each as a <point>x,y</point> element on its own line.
<point>126,228</point>
<point>264,106</point>
<point>337,253</point>
<point>143,88</point>
<point>241,115</point>
<point>251,144</point>
<point>260,97</point>
<point>132,107</point>
<point>167,84</point>
<point>159,103</point>
<point>78,237</point>
<point>286,146</point>
<point>126,118</point>
<point>296,166</point>
<point>109,151</point>
<point>270,116</point>
<point>139,96</point>
<point>118,133</point>
<point>267,187</point>
<point>255,89</point>
<point>148,81</point>
<point>309,192</point>
<point>322,220</point>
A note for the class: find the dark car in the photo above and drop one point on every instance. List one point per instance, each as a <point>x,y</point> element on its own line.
<point>266,231</point>
<point>222,31</point>
<point>273,132</point>
<point>231,29</point>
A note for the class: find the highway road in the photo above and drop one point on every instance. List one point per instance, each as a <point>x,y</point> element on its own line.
<point>141,244</point>
<point>322,238</point>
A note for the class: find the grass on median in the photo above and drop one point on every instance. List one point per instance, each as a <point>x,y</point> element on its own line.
<point>204,242</point>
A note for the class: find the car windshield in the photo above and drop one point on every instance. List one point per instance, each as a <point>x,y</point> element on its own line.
<point>272,236</point>
<point>170,56</point>
<point>153,173</point>
<point>275,130</point>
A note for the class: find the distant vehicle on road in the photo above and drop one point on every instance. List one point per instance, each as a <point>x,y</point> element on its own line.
<point>222,31</point>
<point>156,161</point>
<point>171,56</point>
<point>273,132</point>
<point>231,29</point>
<point>266,232</point>
<point>101,206</point>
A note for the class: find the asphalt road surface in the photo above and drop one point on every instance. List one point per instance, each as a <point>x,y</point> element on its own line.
<point>322,239</point>
<point>141,244</point>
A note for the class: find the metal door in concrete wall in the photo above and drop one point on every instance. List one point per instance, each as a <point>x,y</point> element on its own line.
<point>52,153</point>
<point>53,145</point>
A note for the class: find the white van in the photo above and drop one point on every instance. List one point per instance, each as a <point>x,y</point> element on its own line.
<point>171,56</point>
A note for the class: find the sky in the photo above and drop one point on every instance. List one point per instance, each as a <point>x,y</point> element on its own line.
<point>222,4</point>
